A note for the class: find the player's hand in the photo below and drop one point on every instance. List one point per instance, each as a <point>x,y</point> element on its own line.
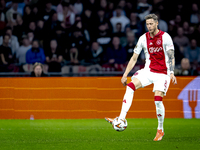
<point>173,78</point>
<point>124,80</point>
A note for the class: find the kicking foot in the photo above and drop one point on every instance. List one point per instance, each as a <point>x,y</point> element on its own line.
<point>110,120</point>
<point>159,135</point>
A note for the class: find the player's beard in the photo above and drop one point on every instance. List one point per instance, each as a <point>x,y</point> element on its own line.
<point>153,31</point>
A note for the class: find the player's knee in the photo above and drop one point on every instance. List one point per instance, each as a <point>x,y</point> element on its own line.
<point>132,86</point>
<point>159,93</point>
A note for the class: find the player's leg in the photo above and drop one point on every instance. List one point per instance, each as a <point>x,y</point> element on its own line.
<point>160,111</point>
<point>128,98</point>
<point>160,88</point>
<point>139,79</point>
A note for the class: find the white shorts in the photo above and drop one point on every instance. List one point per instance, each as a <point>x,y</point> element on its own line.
<point>161,81</point>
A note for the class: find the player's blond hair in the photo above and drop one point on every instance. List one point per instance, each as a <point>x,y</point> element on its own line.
<point>152,16</point>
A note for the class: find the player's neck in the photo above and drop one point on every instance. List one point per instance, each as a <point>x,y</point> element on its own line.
<point>154,33</point>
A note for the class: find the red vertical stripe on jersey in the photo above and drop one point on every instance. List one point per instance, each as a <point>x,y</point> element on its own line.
<point>156,52</point>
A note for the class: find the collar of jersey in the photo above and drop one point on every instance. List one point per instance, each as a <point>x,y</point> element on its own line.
<point>154,36</point>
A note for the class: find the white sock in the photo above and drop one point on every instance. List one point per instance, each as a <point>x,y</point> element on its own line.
<point>127,101</point>
<point>160,111</point>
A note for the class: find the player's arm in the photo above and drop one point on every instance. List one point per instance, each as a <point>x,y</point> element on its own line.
<point>129,67</point>
<point>170,54</point>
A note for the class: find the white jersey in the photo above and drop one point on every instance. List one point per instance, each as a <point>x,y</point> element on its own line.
<point>155,50</point>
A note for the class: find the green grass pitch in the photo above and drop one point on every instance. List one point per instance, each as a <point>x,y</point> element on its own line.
<point>97,134</point>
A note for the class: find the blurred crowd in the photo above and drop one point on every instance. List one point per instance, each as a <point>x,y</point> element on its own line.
<point>57,34</point>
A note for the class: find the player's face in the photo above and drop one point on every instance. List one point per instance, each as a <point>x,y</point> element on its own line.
<point>151,25</point>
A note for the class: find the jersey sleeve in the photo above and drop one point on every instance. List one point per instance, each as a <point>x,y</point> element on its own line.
<point>138,47</point>
<point>169,42</point>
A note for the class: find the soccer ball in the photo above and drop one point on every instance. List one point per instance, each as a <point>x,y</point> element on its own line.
<point>119,124</point>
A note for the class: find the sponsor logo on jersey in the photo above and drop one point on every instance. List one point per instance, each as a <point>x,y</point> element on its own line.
<point>155,49</point>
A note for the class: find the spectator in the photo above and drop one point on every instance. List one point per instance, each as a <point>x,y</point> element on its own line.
<point>50,28</point>
<point>95,54</point>
<point>180,9</point>
<point>120,34</point>
<point>162,24</point>
<point>12,13</point>
<point>79,41</point>
<point>196,34</point>
<point>186,28</point>
<point>38,70</point>
<point>119,19</point>
<point>67,17</point>
<point>21,51</point>
<point>35,54</point>
<point>3,10</point>
<point>32,26</point>
<point>192,52</point>
<point>78,7</point>
<point>2,24</point>
<point>103,4</point>
<point>109,11</point>
<point>160,6</point>
<point>5,53</point>
<point>48,11</point>
<point>192,33</point>
<point>101,18</point>
<point>13,41</point>
<point>22,4</point>
<point>91,4</point>
<point>54,57</point>
<point>181,40</point>
<point>176,22</point>
<point>135,24</point>
<point>74,56</point>
<point>60,36</point>
<point>103,36</point>
<point>59,8</point>
<point>129,8</point>
<point>35,13</point>
<point>18,29</point>
<point>87,19</point>
<point>130,45</point>
<point>28,15</point>
<point>115,55</point>
<point>30,35</point>
<point>39,31</point>
<point>79,25</point>
<point>185,69</point>
<point>172,30</point>
<point>143,9</point>
<point>122,4</point>
<point>52,23</point>
<point>178,55</point>
<point>195,15</point>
